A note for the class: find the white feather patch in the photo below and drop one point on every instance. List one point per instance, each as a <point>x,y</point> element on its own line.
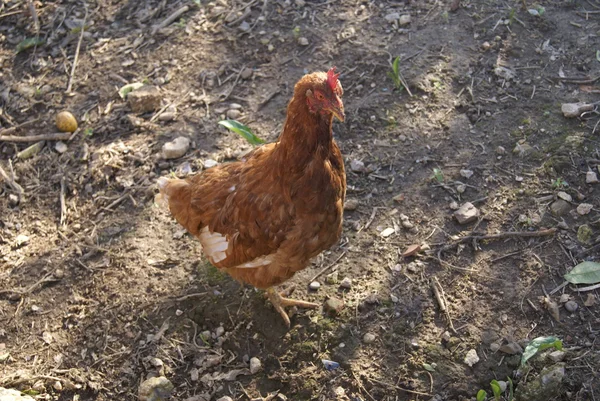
<point>214,245</point>
<point>258,262</point>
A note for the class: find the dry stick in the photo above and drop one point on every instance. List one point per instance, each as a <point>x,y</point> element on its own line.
<point>396,387</point>
<point>63,204</point>
<point>438,291</point>
<point>59,136</point>
<point>167,21</point>
<point>17,127</point>
<point>11,181</point>
<point>234,83</point>
<point>328,267</point>
<point>70,84</point>
<point>508,234</point>
<point>584,289</point>
<point>34,14</point>
<point>360,386</point>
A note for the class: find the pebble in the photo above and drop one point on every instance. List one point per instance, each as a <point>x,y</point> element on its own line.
<point>21,240</point>
<point>466,173</point>
<point>346,283</point>
<point>571,306</point>
<point>511,348</point>
<point>314,286</point>
<point>387,232</point>
<point>334,306</point>
<point>233,114</point>
<point>584,208</point>
<point>167,116</point>
<point>13,200</point>
<point>369,338</point>
<point>155,389</point>
<point>145,99</point>
<point>357,166</point>
<point>302,41</point>
<point>466,213</point>
<point>560,207</point>
<point>503,385</point>
<point>220,331</point>
<point>60,147</point>
<point>225,398</point>
<point>332,278</point>
<point>485,46</point>
<point>255,365</point>
<point>571,110</point>
<point>392,17</point>
<point>300,3</point>
<point>557,356</point>
<point>244,26</point>
<point>209,163</point>
<point>176,148</point>
<point>471,358</point>
<point>494,347</point>
<point>411,250</point>
<point>394,298</point>
<point>247,73</point>
<point>591,177</point>
<point>565,196</point>
<point>351,204</point>
<point>404,20</point>
<point>500,150</point>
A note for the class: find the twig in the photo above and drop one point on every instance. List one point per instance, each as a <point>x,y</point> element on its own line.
<point>188,296</point>
<point>70,84</point>
<point>34,15</point>
<point>508,234</point>
<point>11,181</point>
<point>32,287</point>
<point>438,291</point>
<point>397,388</point>
<point>581,81</point>
<point>584,289</point>
<point>59,136</point>
<point>63,204</point>
<point>176,104</point>
<point>328,267</point>
<point>167,21</point>
<point>234,84</point>
<point>17,127</point>
<point>360,386</point>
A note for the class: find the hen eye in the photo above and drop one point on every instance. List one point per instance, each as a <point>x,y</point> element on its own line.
<point>320,96</point>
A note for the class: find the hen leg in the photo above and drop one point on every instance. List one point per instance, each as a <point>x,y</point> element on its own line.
<point>279,302</point>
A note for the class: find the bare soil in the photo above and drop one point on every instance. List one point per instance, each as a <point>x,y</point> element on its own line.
<point>117,293</point>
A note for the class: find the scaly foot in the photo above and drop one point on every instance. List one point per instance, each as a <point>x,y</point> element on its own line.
<point>279,302</point>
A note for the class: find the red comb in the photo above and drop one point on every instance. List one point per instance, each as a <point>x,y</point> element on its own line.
<point>332,78</point>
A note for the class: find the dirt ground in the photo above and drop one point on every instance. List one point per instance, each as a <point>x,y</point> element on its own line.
<point>117,292</point>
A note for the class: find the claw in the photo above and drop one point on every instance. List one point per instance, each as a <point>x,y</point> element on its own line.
<point>279,302</point>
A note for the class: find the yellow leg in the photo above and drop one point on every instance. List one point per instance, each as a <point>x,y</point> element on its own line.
<point>279,302</point>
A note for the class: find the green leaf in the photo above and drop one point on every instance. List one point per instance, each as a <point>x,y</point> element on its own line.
<point>481,395</point>
<point>31,392</point>
<point>511,393</point>
<point>584,273</point>
<point>242,130</point>
<point>428,367</point>
<point>438,175</point>
<point>540,344</point>
<point>496,389</point>
<point>396,65</point>
<point>29,43</point>
<point>129,88</point>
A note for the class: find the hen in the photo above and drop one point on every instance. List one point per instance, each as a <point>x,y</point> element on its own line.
<point>263,218</point>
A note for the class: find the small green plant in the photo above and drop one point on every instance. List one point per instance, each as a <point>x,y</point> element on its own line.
<point>88,132</point>
<point>539,344</point>
<point>242,131</point>
<point>481,395</point>
<point>181,23</point>
<point>29,43</point>
<point>438,175</point>
<point>559,183</point>
<point>395,74</point>
<point>496,389</point>
<point>511,16</point>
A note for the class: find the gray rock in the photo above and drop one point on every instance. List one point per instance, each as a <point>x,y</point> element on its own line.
<point>176,148</point>
<point>571,306</point>
<point>471,358</point>
<point>145,99</point>
<point>511,348</point>
<point>333,306</point>
<point>591,177</point>
<point>466,173</point>
<point>466,213</point>
<point>210,163</point>
<point>247,73</point>
<point>302,41</point>
<point>233,114</point>
<point>369,338</point>
<point>392,17</point>
<point>314,286</point>
<point>351,204</point>
<point>225,398</point>
<point>60,147</point>
<point>557,356</point>
<point>584,208</point>
<point>543,387</point>
<point>357,166</point>
<point>560,207</point>
<point>404,20</point>
<point>346,283</point>
<point>255,365</point>
<point>489,336</point>
<point>155,389</point>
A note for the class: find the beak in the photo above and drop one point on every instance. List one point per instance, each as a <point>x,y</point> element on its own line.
<point>338,110</point>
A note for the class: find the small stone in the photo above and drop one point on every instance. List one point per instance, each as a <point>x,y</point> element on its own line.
<point>247,73</point>
<point>255,365</point>
<point>392,17</point>
<point>565,196</point>
<point>522,149</point>
<point>591,177</point>
<point>485,46</point>
<point>404,20</point>
<point>194,374</point>
<point>494,347</point>
<point>511,348</point>
<point>21,240</point>
<point>500,150</point>
<point>584,208</point>
<point>571,110</point>
<point>346,283</point>
<point>13,200</point>
<point>210,163</point>
<point>471,358</point>
<point>314,286</point>
<point>454,205</point>
<point>402,138</point>
<point>407,224</point>
<point>466,213</point>
<point>302,41</point>
<point>411,250</point>
<point>334,306</point>
<point>60,147</point>
<point>394,298</point>
<point>560,207</point>
<point>145,99</point>
<point>244,26</point>
<point>357,166</point>
<point>489,336</point>
<point>369,338</point>
<point>461,188</point>
<point>339,392</point>
<point>332,278</point>
<point>571,306</point>
<point>176,148</point>
<point>446,336</point>
<point>219,331</point>
<point>584,234</point>
<point>57,385</point>
<point>351,204</point>
<point>557,356</point>
<point>387,232</point>
<point>466,173</point>
<point>590,300</point>
<point>225,398</point>
<point>564,298</point>
<point>155,389</point>
<point>233,114</point>
<point>167,116</point>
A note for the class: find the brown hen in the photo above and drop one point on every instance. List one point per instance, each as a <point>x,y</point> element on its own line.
<point>263,218</point>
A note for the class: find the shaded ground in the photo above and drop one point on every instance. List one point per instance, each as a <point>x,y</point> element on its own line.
<point>118,292</point>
